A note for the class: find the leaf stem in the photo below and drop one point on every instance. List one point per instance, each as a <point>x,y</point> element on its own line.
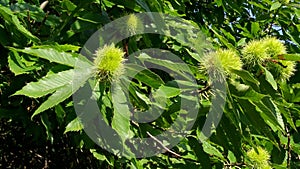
<point>162,145</point>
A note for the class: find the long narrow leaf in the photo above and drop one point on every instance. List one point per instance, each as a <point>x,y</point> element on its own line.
<point>65,92</point>
<point>60,95</point>
<point>9,16</point>
<point>69,59</point>
<point>290,57</point>
<point>47,84</point>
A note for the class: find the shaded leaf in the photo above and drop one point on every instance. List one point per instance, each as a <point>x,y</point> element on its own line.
<point>74,125</point>
<point>143,75</point>
<point>211,150</point>
<point>246,76</point>
<point>270,78</point>
<point>9,16</point>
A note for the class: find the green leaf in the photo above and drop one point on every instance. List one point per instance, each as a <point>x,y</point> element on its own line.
<point>275,6</point>
<point>58,47</point>
<point>65,91</point>
<point>197,148</point>
<point>9,16</point>
<point>98,156</point>
<point>74,125</point>
<point>167,91</point>
<point>194,55</point>
<point>70,6</point>
<point>143,75</point>
<point>222,39</point>
<point>246,76</point>
<point>288,116</point>
<point>69,59</point>
<point>252,95</point>
<point>298,123</point>
<point>296,97</point>
<point>228,35</point>
<point>211,150</point>
<point>60,113</point>
<point>257,123</point>
<point>231,157</point>
<point>136,98</point>
<point>254,28</point>
<point>219,2</point>
<point>270,78</point>
<point>292,38</point>
<point>47,84</point>
<point>121,118</point>
<point>60,95</point>
<point>16,65</point>
<point>269,113</point>
<point>290,57</point>
<point>181,69</point>
<point>241,42</point>
<point>47,124</point>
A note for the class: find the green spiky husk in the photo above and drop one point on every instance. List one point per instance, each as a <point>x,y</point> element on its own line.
<point>109,62</point>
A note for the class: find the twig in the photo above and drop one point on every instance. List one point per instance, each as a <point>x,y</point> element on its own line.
<point>28,20</point>
<point>163,146</point>
<point>235,164</point>
<point>204,89</point>
<point>125,44</point>
<point>288,148</point>
<point>43,21</point>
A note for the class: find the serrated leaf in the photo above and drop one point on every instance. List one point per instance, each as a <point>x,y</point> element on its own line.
<point>74,125</point>
<point>9,16</point>
<point>288,116</point>
<point>69,59</point>
<point>15,64</point>
<point>65,91</point>
<point>228,35</point>
<point>47,84</point>
<point>60,95</point>
<point>278,115</point>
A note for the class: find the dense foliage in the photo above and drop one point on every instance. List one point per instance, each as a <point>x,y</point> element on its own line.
<point>254,48</point>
